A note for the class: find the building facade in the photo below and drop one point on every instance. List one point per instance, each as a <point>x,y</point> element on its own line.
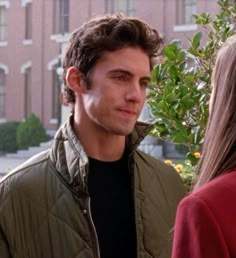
<point>33,34</point>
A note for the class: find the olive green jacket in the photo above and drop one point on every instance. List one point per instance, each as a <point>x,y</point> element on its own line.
<point>45,207</point>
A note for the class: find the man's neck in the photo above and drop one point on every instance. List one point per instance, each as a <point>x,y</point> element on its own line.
<point>101,146</point>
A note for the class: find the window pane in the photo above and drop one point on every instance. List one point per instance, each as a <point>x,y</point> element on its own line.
<point>61,16</point>
<point>190,9</point>
<point>27,92</point>
<point>28,21</point>
<point>131,8</point>
<point>185,10</point>
<point>55,93</point>
<point>64,16</point>
<point>121,5</point>
<point>125,6</point>
<point>3,24</point>
<point>2,93</point>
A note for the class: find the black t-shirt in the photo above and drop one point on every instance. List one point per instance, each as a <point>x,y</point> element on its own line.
<point>112,207</point>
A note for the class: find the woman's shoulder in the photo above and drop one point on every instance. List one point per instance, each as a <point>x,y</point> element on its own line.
<point>217,192</point>
<point>226,182</point>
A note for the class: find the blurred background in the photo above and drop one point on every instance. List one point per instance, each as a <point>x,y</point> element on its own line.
<point>33,34</point>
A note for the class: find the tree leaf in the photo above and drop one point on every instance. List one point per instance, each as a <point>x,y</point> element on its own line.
<point>168,52</point>
<point>187,101</point>
<point>173,72</point>
<point>179,138</point>
<point>171,97</point>
<point>196,40</point>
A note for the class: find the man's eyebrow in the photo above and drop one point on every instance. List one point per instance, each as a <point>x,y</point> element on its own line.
<point>120,70</point>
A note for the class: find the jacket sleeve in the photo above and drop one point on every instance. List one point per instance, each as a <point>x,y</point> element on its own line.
<point>197,233</point>
<point>4,250</point>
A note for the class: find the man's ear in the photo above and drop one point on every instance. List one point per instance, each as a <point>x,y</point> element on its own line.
<point>74,79</point>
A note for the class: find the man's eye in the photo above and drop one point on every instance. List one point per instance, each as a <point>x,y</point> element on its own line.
<point>145,84</point>
<point>121,77</point>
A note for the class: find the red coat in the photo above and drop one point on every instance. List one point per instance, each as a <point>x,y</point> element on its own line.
<point>205,225</point>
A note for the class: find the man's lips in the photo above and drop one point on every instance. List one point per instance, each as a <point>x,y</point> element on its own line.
<point>128,111</point>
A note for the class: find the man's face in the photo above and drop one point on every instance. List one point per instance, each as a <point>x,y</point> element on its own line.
<point>117,91</point>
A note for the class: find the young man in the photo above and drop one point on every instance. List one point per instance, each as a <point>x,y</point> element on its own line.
<point>93,194</point>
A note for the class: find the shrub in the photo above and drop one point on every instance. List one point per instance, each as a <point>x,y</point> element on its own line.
<point>8,137</point>
<point>30,133</point>
<point>181,84</point>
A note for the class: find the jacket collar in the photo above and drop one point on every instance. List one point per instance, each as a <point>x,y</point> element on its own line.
<point>68,154</point>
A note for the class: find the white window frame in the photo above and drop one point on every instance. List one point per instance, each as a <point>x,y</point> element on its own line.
<point>25,66</point>
<point>5,3</point>
<point>25,2</point>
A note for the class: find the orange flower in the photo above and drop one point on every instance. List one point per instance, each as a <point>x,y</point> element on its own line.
<point>197,154</point>
<point>168,162</point>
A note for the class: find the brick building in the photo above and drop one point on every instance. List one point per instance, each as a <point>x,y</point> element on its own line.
<point>34,32</point>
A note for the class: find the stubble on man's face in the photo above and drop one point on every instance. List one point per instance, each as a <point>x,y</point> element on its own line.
<point>117,92</point>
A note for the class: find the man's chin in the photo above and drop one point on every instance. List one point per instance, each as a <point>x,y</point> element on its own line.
<point>124,132</point>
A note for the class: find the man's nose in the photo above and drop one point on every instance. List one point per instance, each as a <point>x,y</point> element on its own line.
<point>135,92</point>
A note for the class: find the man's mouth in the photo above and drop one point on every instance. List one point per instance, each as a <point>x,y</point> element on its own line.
<point>129,112</point>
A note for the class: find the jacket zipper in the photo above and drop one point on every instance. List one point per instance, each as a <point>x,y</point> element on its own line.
<point>87,211</point>
<point>92,226</point>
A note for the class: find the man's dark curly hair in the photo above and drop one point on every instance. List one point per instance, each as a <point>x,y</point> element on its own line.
<point>108,33</point>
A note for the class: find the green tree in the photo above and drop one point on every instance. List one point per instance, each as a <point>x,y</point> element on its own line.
<point>181,83</point>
